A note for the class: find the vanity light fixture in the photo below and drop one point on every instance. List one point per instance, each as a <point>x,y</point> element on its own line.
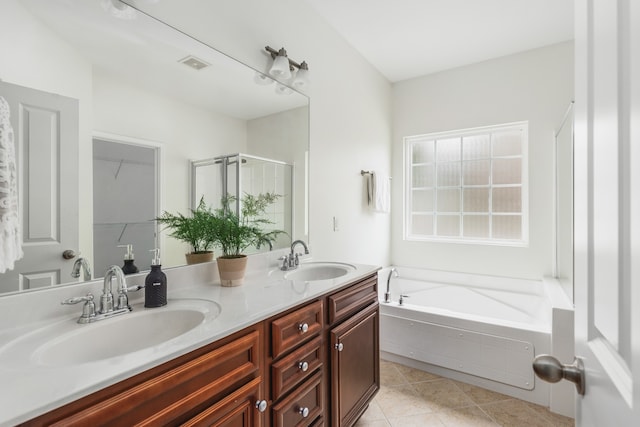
<point>283,67</point>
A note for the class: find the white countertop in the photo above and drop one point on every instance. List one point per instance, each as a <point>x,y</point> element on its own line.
<point>27,391</point>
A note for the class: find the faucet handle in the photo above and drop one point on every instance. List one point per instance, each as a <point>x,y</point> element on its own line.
<point>402,297</point>
<point>75,300</point>
<point>88,310</point>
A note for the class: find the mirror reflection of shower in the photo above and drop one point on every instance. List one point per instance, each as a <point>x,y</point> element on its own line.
<point>239,174</point>
<point>564,140</point>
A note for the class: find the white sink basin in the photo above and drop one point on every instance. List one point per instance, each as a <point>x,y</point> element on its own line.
<point>68,343</point>
<point>314,271</point>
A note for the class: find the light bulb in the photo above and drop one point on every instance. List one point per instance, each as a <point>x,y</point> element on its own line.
<point>301,79</point>
<point>280,68</point>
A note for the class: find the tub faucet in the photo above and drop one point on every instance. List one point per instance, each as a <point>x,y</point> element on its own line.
<point>387,295</point>
<point>81,263</point>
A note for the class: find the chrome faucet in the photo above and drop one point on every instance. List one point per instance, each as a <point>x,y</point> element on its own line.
<point>292,261</point>
<point>387,295</point>
<point>106,300</point>
<point>107,308</point>
<point>81,263</point>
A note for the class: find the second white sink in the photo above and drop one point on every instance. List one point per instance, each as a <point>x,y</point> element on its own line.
<point>313,271</point>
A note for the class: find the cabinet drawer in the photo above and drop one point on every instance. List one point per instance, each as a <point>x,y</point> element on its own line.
<point>172,396</point>
<point>352,299</point>
<point>295,328</point>
<point>290,370</point>
<point>239,408</point>
<point>306,400</point>
<point>318,423</point>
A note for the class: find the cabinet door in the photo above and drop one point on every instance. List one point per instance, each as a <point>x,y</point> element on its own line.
<point>239,409</point>
<point>355,365</point>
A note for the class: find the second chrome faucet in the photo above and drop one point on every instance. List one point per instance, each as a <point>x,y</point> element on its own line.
<point>292,261</point>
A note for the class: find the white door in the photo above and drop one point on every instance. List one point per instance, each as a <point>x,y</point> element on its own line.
<point>607,210</point>
<point>46,133</point>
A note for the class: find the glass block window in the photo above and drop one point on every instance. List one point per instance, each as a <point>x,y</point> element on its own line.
<point>468,185</point>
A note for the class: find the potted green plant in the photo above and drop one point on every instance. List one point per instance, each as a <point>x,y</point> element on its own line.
<point>197,229</point>
<point>237,232</point>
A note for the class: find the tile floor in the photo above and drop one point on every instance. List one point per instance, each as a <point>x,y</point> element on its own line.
<point>410,397</point>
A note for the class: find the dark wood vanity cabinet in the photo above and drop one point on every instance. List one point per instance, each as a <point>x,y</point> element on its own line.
<point>314,365</point>
<point>354,348</point>
<point>218,384</point>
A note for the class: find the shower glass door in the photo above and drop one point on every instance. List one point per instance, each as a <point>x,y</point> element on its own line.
<point>240,174</point>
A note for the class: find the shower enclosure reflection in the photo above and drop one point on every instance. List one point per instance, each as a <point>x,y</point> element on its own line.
<point>240,174</point>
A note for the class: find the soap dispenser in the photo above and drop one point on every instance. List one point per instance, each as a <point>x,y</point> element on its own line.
<point>129,267</point>
<point>155,285</point>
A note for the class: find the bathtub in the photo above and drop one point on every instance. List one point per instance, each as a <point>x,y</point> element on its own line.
<point>478,329</point>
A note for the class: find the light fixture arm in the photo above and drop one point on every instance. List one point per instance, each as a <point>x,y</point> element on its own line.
<point>292,64</point>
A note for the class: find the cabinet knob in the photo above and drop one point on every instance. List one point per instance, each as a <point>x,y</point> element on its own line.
<point>304,412</point>
<point>303,327</point>
<point>339,346</point>
<point>261,405</point>
<point>303,366</point>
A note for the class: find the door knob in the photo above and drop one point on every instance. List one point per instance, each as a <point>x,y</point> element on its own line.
<point>549,369</point>
<point>69,254</point>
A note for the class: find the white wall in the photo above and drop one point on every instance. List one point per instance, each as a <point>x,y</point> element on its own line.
<point>350,118</point>
<point>183,132</point>
<point>285,136</point>
<point>537,86</point>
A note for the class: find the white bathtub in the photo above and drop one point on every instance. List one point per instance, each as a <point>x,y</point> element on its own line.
<point>478,329</point>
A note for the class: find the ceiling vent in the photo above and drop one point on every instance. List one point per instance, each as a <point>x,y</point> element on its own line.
<point>193,62</point>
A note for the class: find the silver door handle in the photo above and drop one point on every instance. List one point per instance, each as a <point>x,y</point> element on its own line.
<point>549,369</point>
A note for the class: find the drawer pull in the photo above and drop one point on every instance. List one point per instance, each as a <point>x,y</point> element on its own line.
<point>303,327</point>
<point>339,346</point>
<point>261,405</point>
<point>303,366</point>
<point>304,412</point>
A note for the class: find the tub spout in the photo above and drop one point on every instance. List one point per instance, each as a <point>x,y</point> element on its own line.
<point>387,295</point>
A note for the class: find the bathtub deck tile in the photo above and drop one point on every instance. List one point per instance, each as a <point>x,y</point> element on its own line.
<point>481,395</point>
<point>470,416</point>
<point>413,375</point>
<point>514,413</point>
<point>409,397</point>
<point>390,374</point>
<point>442,394</point>
<point>422,420</point>
<point>556,420</point>
<point>400,401</point>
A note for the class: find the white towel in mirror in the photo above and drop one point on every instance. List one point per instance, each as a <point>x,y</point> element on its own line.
<point>10,238</point>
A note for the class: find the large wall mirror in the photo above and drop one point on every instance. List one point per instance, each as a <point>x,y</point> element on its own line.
<point>111,108</point>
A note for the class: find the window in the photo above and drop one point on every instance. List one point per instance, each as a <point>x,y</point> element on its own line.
<point>468,185</point>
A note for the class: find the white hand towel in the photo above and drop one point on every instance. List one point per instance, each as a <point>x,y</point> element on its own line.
<point>382,193</point>
<point>10,237</point>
